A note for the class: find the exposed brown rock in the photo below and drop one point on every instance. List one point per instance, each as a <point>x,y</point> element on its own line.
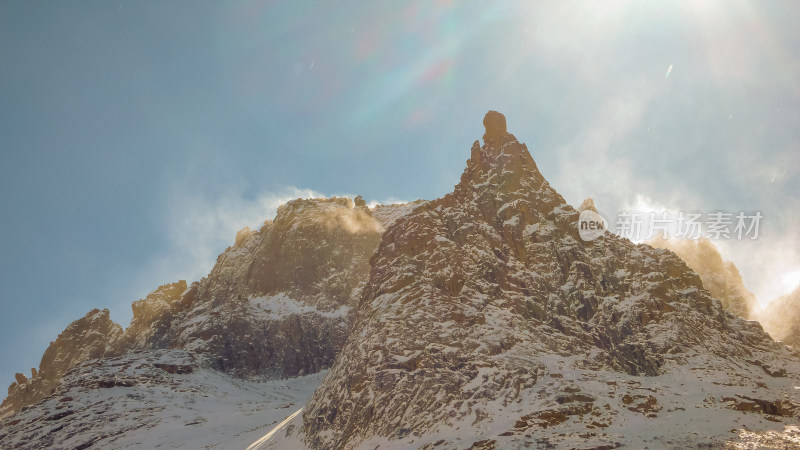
<point>645,404</point>
<point>496,273</point>
<point>153,316</point>
<point>315,258</point>
<point>92,336</point>
<point>315,254</point>
<point>781,407</point>
<point>242,235</point>
<point>359,202</point>
<point>495,124</point>
<point>179,369</point>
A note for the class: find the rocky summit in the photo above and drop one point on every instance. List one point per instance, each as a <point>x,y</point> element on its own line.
<point>478,320</point>
<point>488,322</point>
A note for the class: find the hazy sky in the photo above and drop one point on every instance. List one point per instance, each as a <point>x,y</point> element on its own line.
<point>137,137</point>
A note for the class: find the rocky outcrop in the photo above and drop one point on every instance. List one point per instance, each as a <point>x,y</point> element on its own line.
<point>153,318</point>
<point>720,277</point>
<point>495,124</point>
<point>478,320</point>
<point>477,300</point>
<point>89,337</point>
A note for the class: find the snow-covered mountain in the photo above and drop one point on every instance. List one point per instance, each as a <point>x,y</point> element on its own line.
<point>477,320</point>
<point>488,322</point>
<point>277,303</point>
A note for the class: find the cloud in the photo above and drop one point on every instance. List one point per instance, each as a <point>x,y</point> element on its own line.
<point>198,228</point>
<point>589,166</point>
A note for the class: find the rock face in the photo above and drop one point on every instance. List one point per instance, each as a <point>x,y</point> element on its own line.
<point>495,124</point>
<point>276,304</point>
<point>152,318</point>
<point>486,319</point>
<point>720,277</point>
<point>89,337</point>
<point>780,318</point>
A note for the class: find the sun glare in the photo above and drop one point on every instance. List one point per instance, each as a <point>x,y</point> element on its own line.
<point>789,281</point>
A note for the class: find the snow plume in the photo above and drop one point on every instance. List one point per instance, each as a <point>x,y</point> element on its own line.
<point>770,265</point>
<point>198,228</point>
<point>358,221</point>
<point>781,317</point>
<point>719,276</point>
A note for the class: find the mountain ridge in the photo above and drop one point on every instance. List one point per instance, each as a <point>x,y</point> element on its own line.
<point>245,295</point>
<point>480,319</point>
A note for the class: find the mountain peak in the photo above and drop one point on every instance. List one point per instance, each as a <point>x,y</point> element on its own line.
<point>501,172</point>
<point>495,124</point>
<point>488,297</point>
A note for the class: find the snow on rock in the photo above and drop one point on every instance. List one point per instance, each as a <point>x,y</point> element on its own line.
<point>478,320</point>
<point>153,316</point>
<point>558,341</point>
<point>720,277</point>
<point>91,336</point>
<point>281,306</point>
<point>387,215</point>
<point>277,304</point>
<point>155,398</point>
<point>780,318</point>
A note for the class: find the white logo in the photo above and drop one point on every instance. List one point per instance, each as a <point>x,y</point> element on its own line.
<point>591,225</point>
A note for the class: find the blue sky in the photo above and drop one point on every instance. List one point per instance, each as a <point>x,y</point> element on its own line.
<point>137,137</point>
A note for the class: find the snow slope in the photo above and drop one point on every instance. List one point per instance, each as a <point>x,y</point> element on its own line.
<point>134,401</point>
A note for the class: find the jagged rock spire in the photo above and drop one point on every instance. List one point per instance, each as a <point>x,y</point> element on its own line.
<point>495,124</point>
<point>474,297</point>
